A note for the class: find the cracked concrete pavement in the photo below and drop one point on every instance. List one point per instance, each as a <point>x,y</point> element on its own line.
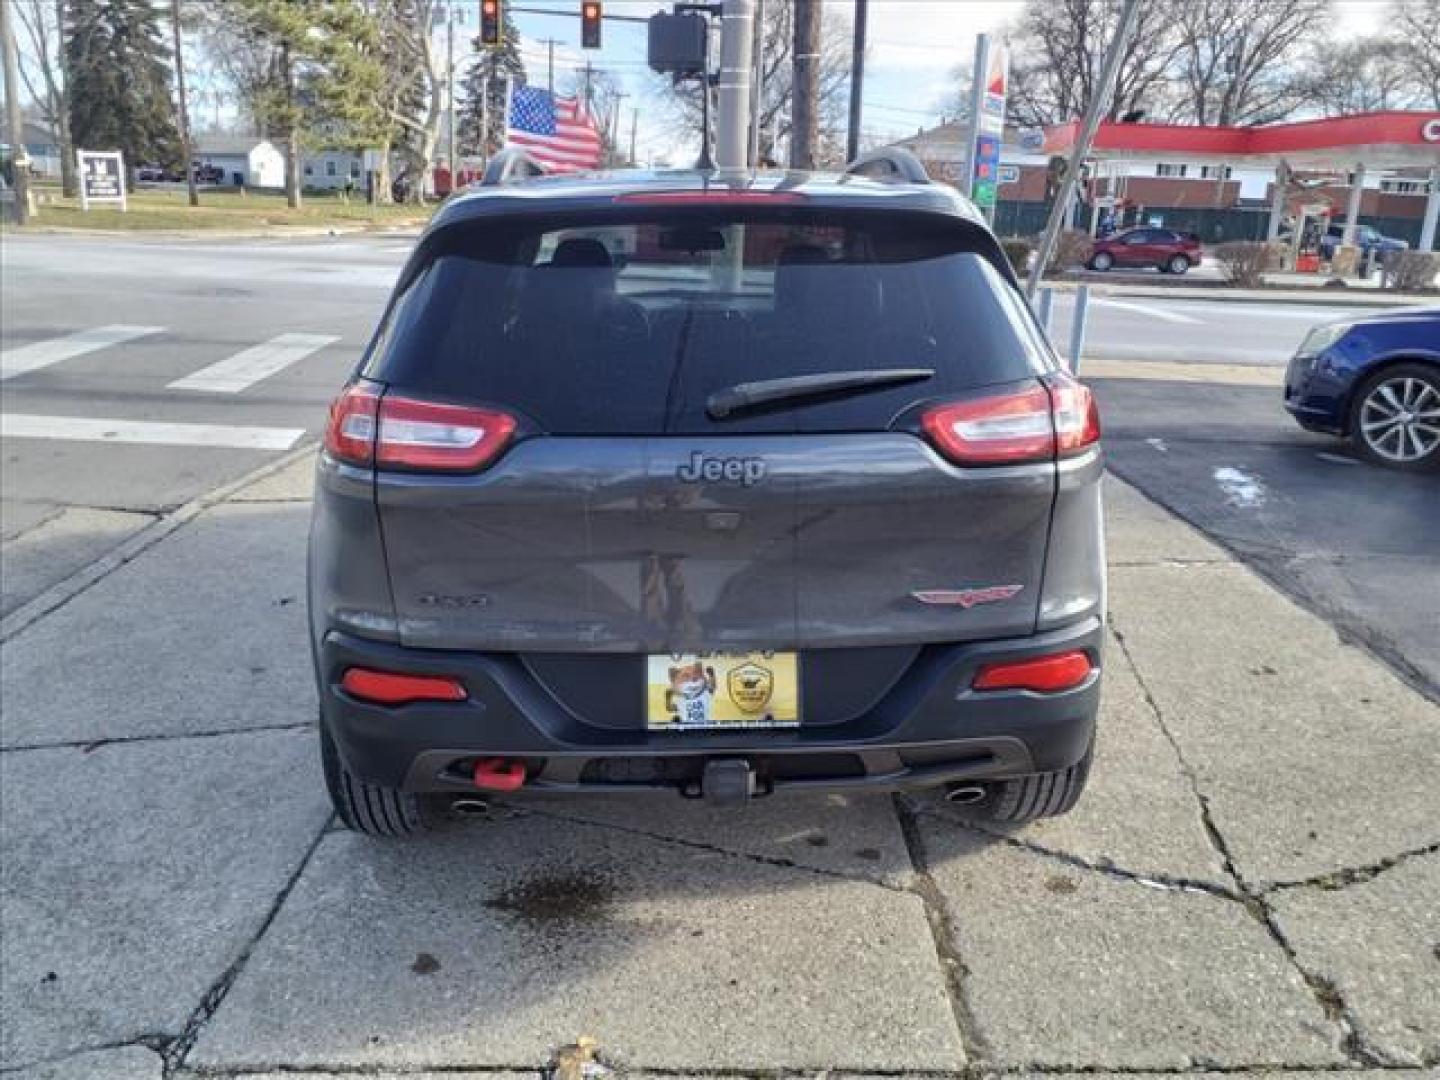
<point>1249,885</point>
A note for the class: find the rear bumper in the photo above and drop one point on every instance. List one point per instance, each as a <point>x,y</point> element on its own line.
<point>928,729</point>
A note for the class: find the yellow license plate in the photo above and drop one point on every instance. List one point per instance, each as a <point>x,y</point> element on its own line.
<point>700,691</point>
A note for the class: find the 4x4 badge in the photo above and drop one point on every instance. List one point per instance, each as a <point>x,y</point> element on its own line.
<point>967,598</point>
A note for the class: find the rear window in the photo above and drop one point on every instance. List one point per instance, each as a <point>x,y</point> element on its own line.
<point>627,324</point>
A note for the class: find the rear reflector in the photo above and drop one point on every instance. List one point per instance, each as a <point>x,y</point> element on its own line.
<point>709,198</point>
<point>497,774</point>
<point>1044,675</point>
<point>393,688</point>
<point>1054,418</point>
<point>394,432</point>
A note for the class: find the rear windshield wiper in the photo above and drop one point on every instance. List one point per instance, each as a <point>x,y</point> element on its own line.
<point>751,395</point>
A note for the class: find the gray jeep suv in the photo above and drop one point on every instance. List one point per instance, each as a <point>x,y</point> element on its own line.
<point>724,487</point>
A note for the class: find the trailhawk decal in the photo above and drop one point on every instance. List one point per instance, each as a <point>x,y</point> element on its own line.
<point>967,598</point>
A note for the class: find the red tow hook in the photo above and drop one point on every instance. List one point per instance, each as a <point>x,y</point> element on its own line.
<point>497,774</point>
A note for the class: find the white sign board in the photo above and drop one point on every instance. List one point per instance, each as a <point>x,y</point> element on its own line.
<point>1009,174</point>
<point>992,104</point>
<point>102,177</point>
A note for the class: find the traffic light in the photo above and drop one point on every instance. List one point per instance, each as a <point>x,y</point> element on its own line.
<point>492,22</point>
<point>590,24</point>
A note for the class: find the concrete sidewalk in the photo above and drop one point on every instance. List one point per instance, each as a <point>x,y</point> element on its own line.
<point>1248,886</point>
<point>1279,292</point>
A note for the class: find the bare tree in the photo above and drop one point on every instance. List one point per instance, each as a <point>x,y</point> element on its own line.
<point>1239,59</point>
<point>1058,48</point>
<point>1416,28</point>
<point>415,82</point>
<point>1362,75</point>
<point>42,70</point>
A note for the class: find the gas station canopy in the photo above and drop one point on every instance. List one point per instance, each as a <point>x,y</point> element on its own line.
<point>1380,140</point>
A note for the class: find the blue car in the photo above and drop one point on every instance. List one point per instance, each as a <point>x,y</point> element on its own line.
<point>1375,380</point>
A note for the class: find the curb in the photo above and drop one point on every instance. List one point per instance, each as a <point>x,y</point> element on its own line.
<point>1324,297</point>
<point>62,592</point>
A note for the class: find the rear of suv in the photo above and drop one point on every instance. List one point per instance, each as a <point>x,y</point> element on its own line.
<point>658,482</point>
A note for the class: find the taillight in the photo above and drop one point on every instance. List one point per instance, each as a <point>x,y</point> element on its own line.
<point>1004,429</point>
<point>447,438</point>
<point>1077,415</point>
<point>1058,417</point>
<point>1044,674</point>
<point>350,431</point>
<point>398,432</point>
<point>394,688</point>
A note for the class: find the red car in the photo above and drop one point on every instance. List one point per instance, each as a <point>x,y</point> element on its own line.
<point>1168,251</point>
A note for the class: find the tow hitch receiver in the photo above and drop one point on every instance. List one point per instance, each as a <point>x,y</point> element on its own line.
<point>728,781</point>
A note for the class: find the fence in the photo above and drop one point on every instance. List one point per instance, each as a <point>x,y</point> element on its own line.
<point>1212,225</point>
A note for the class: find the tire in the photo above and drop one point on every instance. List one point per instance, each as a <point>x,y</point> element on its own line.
<point>1036,796</point>
<point>369,808</point>
<point>1177,264</point>
<point>1405,389</point>
<point>1102,261</point>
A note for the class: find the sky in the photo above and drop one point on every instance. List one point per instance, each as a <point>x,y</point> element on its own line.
<point>914,48</point>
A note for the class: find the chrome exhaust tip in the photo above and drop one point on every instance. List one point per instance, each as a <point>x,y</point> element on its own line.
<point>469,806</point>
<point>964,794</point>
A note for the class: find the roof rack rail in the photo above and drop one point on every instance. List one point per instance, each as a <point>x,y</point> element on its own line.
<point>510,166</point>
<point>889,163</point>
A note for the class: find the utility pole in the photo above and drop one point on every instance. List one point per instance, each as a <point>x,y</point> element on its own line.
<point>185,152</point>
<point>450,84</point>
<point>857,80</point>
<point>737,37</point>
<point>550,44</point>
<point>634,120</point>
<point>1094,111</point>
<point>19,161</point>
<point>612,125</point>
<point>804,121</point>
<point>757,89</point>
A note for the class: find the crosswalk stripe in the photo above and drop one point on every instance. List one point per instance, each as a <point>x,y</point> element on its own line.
<point>24,359</point>
<point>249,366</point>
<point>146,432</point>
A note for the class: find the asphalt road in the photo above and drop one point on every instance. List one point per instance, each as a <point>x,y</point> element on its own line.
<point>208,358</point>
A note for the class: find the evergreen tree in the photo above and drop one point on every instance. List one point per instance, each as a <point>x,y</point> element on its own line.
<point>488,71</point>
<point>119,71</point>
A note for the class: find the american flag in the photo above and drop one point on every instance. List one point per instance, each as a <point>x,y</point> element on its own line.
<point>556,131</point>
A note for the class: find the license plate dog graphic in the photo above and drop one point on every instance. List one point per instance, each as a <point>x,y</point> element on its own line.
<point>691,695</point>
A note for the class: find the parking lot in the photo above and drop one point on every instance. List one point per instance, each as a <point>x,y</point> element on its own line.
<point>1249,885</point>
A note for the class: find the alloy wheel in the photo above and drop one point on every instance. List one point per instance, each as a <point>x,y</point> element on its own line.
<point>1400,419</point>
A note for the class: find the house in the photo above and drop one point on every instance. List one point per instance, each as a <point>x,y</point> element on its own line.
<point>330,169</point>
<point>41,147</point>
<point>246,160</point>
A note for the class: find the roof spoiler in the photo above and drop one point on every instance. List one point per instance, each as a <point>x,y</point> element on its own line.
<point>892,163</point>
<point>510,166</point>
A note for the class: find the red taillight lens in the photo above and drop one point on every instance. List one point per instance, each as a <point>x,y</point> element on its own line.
<point>392,688</point>
<point>1077,416</point>
<point>1044,675</point>
<point>350,431</point>
<point>445,438</point>
<point>1039,423</point>
<point>1000,430</point>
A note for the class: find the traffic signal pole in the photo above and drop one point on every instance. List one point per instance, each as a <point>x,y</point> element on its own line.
<point>737,38</point>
